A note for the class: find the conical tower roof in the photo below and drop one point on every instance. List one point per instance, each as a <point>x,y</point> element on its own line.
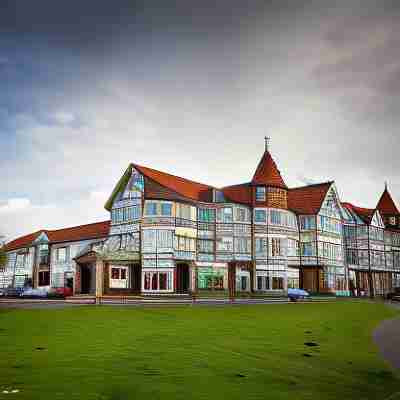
<point>267,173</point>
<point>386,205</point>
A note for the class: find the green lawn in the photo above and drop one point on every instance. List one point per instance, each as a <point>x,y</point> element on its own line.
<point>241,352</point>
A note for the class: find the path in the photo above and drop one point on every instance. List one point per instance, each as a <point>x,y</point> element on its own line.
<point>387,337</point>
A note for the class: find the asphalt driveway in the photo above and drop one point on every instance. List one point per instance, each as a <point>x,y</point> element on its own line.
<point>387,337</point>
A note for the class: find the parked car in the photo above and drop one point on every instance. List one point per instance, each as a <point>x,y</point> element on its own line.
<point>60,292</point>
<point>297,294</point>
<point>32,293</point>
<point>13,292</point>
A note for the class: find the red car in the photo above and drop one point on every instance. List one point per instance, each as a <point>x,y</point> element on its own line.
<point>62,292</point>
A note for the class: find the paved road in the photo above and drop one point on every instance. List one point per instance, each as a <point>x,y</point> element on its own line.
<point>387,337</point>
<point>19,303</point>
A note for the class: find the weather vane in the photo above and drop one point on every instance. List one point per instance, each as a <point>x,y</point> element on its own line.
<point>267,140</point>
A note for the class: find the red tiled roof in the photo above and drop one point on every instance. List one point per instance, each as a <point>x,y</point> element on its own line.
<point>267,173</point>
<point>386,205</point>
<point>22,241</point>
<point>366,214</point>
<point>185,187</point>
<point>238,193</point>
<point>308,199</point>
<point>96,230</point>
<point>81,232</point>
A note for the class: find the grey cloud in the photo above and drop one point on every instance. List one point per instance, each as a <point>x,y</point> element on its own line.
<point>193,89</point>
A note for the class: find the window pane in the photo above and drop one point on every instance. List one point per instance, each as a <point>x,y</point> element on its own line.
<point>114,273</point>
<point>227,213</point>
<point>267,287</point>
<point>260,215</point>
<point>147,277</point>
<point>154,281</point>
<point>166,209</point>
<point>151,208</point>
<point>259,282</point>
<point>163,281</point>
<point>243,282</point>
<point>260,193</point>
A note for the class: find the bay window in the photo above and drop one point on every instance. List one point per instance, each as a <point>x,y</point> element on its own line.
<point>225,215</point>
<point>308,249</point>
<point>183,243</point>
<point>260,216</point>
<point>241,215</point>
<point>242,245</point>
<point>293,248</point>
<point>276,217</point>
<point>307,222</point>
<point>183,211</point>
<point>276,249</point>
<point>352,257</point>
<point>261,246</point>
<point>205,246</point>
<point>225,244</point>
<point>124,214</point>
<point>206,215</point>
<point>164,239</point>
<point>157,281</point>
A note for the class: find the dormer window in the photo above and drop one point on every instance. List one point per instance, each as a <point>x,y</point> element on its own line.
<point>260,193</point>
<point>392,220</point>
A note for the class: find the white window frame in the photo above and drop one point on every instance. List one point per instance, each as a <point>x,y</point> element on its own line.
<point>260,198</point>
<point>119,283</point>
<point>58,258</point>
<point>170,280</point>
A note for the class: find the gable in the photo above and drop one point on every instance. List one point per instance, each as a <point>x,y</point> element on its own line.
<point>42,238</point>
<point>331,206</point>
<point>130,185</point>
<point>377,220</point>
<point>307,200</point>
<point>133,188</point>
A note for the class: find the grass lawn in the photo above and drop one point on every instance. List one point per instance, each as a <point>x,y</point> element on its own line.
<point>240,352</point>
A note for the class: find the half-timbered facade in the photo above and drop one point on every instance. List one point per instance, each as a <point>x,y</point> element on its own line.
<point>391,218</point>
<point>364,231</point>
<point>45,259</point>
<point>321,262</point>
<point>170,235</point>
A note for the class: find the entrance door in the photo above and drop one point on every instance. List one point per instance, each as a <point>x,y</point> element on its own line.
<point>310,279</point>
<point>232,279</point>
<point>136,278</point>
<point>85,279</point>
<point>182,281</point>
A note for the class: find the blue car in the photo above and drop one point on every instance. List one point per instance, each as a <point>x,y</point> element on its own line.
<point>297,294</point>
<point>32,293</point>
<point>13,292</point>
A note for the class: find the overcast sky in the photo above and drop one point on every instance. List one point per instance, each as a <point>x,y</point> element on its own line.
<point>192,88</point>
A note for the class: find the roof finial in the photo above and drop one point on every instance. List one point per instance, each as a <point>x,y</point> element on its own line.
<point>386,185</point>
<point>267,140</point>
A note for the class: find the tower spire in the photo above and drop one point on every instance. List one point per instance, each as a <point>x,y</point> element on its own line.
<point>267,140</point>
